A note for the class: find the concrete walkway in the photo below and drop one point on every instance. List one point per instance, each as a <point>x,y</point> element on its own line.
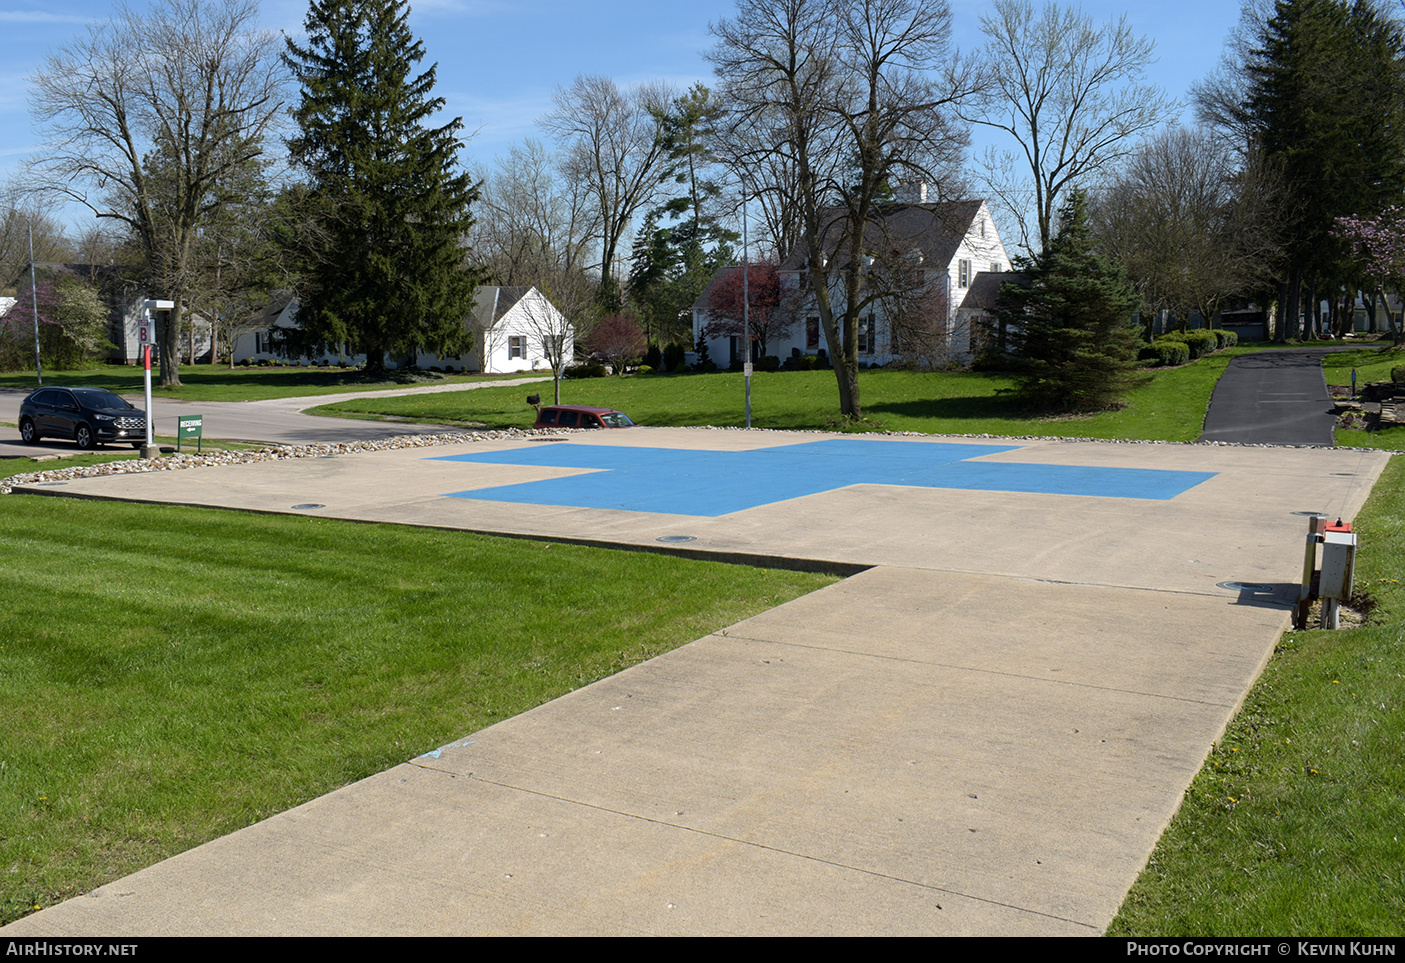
<point>983,732</point>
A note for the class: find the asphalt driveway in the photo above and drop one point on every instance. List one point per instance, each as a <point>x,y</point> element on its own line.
<point>1273,398</point>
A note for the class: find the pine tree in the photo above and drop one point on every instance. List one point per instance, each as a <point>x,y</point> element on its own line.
<point>671,265</point>
<point>1073,342</point>
<point>1324,100</point>
<point>386,271</point>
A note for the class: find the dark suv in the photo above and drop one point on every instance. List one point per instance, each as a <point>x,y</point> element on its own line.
<point>90,416</point>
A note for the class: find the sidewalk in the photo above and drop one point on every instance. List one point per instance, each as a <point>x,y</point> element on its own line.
<point>984,732</point>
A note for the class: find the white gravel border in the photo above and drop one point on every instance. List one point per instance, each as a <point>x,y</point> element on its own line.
<point>179,461</point>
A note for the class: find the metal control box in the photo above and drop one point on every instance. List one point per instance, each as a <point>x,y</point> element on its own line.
<point>1338,565</point>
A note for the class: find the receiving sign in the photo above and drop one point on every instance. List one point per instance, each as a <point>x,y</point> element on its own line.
<point>189,426</point>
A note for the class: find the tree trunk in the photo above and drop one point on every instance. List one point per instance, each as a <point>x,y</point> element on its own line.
<point>846,372</point>
<point>169,334</point>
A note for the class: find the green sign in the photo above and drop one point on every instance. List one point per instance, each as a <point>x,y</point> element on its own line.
<point>189,426</point>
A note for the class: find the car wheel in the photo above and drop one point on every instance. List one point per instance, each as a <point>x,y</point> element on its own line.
<point>84,436</point>
<point>28,431</point>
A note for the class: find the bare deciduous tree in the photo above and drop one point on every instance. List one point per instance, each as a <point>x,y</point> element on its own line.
<point>532,223</point>
<point>147,115</point>
<point>1190,226</point>
<point>1071,95</point>
<point>612,144</point>
<point>560,321</point>
<point>16,221</point>
<point>854,97</point>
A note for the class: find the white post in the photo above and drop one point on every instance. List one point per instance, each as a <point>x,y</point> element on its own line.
<point>145,338</point>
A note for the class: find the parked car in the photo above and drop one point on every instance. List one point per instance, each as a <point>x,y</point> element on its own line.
<point>581,416</point>
<point>90,416</point>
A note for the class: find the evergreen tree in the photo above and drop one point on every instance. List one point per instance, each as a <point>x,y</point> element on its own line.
<point>1072,339</point>
<point>682,243</point>
<point>1321,94</point>
<point>386,272</point>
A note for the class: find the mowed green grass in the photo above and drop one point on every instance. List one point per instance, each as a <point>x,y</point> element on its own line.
<point>1170,407</point>
<point>1296,824</point>
<point>169,675</point>
<point>218,383</point>
<point>1371,363</point>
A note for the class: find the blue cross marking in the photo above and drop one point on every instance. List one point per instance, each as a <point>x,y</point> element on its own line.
<point>711,483</point>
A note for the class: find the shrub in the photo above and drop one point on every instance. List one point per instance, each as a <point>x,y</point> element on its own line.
<point>618,340</point>
<point>1168,352</point>
<point>644,369</point>
<point>588,370</point>
<point>674,357</point>
<point>768,362</point>
<point>1200,342</point>
<point>72,325</point>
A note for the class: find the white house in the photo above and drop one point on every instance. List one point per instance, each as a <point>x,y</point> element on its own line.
<point>513,328</point>
<point>943,249</point>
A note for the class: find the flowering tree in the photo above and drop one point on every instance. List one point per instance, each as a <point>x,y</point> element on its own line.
<point>72,325</point>
<point>618,340</point>
<point>767,317</point>
<point>1380,243</point>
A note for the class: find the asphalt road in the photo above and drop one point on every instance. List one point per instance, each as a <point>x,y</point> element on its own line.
<point>272,421</point>
<point>1273,398</point>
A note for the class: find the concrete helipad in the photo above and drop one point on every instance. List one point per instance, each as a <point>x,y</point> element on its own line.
<point>984,731</point>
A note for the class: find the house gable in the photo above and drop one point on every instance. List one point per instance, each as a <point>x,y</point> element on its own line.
<point>953,243</point>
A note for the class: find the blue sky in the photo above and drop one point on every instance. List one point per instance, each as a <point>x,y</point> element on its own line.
<point>499,61</point>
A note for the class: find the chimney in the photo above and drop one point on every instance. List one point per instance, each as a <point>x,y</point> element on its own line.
<point>910,192</point>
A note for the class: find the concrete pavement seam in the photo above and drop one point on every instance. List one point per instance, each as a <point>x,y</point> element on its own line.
<point>755,845</point>
<point>956,666</point>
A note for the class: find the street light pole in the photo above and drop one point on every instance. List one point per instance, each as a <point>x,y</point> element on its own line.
<point>746,314</point>
<point>34,302</point>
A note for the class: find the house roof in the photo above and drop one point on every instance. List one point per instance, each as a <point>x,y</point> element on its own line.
<point>94,273</point>
<point>985,288</point>
<point>936,230</point>
<point>491,303</point>
<point>275,308</point>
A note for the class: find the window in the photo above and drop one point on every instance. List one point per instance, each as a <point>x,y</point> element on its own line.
<point>963,273</point>
<point>812,334</point>
<point>865,335</point>
<point>516,347</point>
<point>996,267</point>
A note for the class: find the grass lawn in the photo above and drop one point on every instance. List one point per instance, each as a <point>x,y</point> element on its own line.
<point>1171,407</point>
<point>1371,363</point>
<point>218,383</point>
<point>169,675</point>
<point>1295,824</point>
